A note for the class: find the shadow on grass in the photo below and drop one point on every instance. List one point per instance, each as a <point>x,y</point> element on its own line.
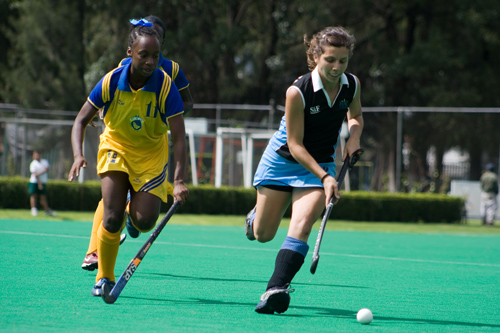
<point>352,314</point>
<point>165,275</point>
<point>319,312</point>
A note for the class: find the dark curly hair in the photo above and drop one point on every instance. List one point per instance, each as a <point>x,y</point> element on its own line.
<point>333,36</point>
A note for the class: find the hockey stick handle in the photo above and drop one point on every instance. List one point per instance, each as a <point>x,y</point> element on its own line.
<point>132,266</point>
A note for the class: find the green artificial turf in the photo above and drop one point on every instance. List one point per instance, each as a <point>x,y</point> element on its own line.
<point>206,278</point>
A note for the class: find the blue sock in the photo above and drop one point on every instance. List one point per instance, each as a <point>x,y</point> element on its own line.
<point>288,262</point>
<point>296,245</point>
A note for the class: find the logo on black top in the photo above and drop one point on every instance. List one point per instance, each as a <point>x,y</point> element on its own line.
<point>344,103</point>
<point>314,109</point>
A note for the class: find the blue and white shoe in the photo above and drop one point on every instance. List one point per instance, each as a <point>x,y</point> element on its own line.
<point>248,224</point>
<point>132,231</point>
<point>97,290</point>
<point>276,299</point>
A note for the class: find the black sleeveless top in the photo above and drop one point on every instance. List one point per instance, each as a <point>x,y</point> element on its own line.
<point>322,123</point>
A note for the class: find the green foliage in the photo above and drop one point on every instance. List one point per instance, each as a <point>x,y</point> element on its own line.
<point>409,53</point>
<point>74,196</point>
<point>45,61</point>
<point>399,207</point>
<point>223,201</point>
<point>62,195</point>
<point>356,206</point>
<point>14,193</point>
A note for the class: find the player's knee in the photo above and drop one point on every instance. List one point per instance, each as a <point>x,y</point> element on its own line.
<point>264,236</point>
<point>302,227</point>
<point>113,221</point>
<point>145,223</point>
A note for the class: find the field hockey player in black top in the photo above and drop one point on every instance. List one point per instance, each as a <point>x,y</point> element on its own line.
<point>298,165</point>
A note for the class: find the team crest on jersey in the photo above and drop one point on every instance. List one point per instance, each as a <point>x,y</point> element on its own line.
<point>314,109</point>
<point>344,103</point>
<point>136,122</point>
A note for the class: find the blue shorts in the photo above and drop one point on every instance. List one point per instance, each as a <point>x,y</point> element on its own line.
<point>276,170</point>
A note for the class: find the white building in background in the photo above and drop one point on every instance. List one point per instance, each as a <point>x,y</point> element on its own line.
<point>455,163</point>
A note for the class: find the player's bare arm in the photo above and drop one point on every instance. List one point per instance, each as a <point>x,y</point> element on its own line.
<point>178,134</point>
<point>87,112</point>
<point>187,99</point>
<point>355,123</point>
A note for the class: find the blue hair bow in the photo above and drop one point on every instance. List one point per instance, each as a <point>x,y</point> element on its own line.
<point>142,22</point>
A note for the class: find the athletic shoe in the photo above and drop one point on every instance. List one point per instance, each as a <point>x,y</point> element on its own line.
<point>132,231</point>
<point>248,224</point>
<point>122,238</point>
<point>90,261</point>
<point>49,212</point>
<point>34,211</point>
<point>276,299</point>
<point>97,290</point>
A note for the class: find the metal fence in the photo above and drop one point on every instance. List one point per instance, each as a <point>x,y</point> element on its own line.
<point>24,130</point>
<point>224,149</point>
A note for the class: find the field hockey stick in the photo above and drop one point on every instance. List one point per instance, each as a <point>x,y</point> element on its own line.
<point>348,164</point>
<point>111,296</point>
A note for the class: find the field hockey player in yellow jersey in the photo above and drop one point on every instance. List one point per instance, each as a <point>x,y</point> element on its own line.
<point>90,262</point>
<point>140,104</point>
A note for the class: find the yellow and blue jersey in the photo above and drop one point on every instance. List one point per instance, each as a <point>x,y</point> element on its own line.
<point>170,67</point>
<point>135,138</point>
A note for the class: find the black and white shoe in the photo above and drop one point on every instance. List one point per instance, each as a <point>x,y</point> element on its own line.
<point>248,224</point>
<point>276,299</point>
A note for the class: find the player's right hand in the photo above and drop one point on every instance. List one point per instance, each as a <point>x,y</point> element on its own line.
<point>79,162</point>
<point>331,189</point>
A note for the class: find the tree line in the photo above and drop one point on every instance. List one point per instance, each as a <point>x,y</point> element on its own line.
<point>408,53</point>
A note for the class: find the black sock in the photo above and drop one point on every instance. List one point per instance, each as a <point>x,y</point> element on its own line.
<point>288,263</point>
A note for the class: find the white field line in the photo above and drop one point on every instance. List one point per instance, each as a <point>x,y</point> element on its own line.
<point>263,249</point>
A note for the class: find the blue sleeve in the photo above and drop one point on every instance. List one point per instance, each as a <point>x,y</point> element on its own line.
<point>125,61</point>
<point>175,72</point>
<point>181,81</point>
<point>104,91</point>
<point>173,103</point>
<point>95,97</point>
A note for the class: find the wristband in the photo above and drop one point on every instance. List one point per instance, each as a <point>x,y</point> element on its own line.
<point>323,178</point>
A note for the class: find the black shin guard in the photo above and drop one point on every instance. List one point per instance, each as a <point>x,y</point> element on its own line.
<point>288,263</point>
